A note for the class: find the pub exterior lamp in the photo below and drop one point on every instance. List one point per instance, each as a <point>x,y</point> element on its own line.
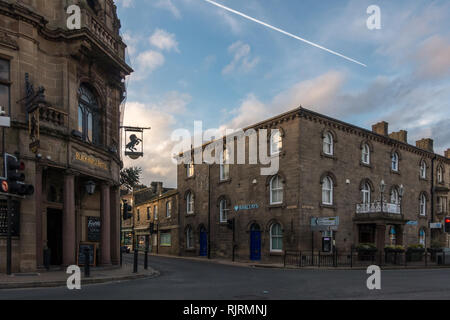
<point>401,190</point>
<point>90,187</point>
<point>382,186</point>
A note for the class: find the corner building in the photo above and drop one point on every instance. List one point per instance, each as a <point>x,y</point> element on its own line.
<point>327,169</point>
<point>72,154</point>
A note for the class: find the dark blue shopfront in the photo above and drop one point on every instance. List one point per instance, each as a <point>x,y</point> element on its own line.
<point>203,243</point>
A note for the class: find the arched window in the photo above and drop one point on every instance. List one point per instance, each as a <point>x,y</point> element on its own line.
<point>365,193</point>
<point>327,191</point>
<point>189,238</point>
<point>276,238</point>
<point>276,142</point>
<point>189,203</point>
<point>394,162</point>
<point>440,175</point>
<point>365,156</point>
<point>168,209</point>
<point>276,190</point>
<point>88,115</point>
<point>423,205</point>
<point>225,166</point>
<point>328,144</point>
<point>423,170</point>
<point>422,237</point>
<point>223,208</point>
<point>190,170</point>
<point>394,196</point>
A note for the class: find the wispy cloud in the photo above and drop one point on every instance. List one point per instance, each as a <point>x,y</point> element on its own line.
<point>169,6</point>
<point>241,58</point>
<point>164,40</point>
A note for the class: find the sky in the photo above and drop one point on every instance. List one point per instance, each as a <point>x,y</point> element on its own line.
<point>194,61</point>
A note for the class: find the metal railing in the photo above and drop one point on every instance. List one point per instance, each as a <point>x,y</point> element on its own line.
<point>358,259</point>
<point>375,207</point>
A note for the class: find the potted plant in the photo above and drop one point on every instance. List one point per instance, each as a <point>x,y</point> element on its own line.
<point>394,248</point>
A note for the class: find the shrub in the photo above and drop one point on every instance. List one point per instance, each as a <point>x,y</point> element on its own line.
<point>366,246</point>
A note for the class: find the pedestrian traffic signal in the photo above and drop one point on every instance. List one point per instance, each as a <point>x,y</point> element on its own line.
<point>15,177</point>
<point>447,224</point>
<point>4,186</point>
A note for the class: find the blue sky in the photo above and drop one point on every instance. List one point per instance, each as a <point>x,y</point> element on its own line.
<point>194,61</point>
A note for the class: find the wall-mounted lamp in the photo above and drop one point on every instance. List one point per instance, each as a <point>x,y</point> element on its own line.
<point>90,187</point>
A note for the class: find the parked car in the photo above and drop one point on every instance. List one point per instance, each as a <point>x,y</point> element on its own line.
<point>444,256</point>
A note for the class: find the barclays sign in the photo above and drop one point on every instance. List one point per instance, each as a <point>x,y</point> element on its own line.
<point>245,207</point>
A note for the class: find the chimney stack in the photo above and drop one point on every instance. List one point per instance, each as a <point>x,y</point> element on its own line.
<point>381,128</point>
<point>425,144</point>
<point>401,135</point>
<point>447,153</point>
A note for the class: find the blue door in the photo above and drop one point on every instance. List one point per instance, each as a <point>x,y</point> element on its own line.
<point>255,242</point>
<point>203,243</point>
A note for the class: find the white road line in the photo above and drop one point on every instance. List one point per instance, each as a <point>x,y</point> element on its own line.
<point>284,32</point>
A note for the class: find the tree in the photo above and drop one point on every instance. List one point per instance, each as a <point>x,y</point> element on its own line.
<point>129,177</point>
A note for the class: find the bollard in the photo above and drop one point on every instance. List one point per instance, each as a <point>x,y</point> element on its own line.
<point>146,259</point>
<point>87,266</point>
<point>47,257</point>
<point>135,261</point>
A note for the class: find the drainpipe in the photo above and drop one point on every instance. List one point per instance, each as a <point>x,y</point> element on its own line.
<point>432,195</point>
<point>209,211</point>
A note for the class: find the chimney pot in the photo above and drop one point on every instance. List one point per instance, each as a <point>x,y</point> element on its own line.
<point>447,153</point>
<point>425,144</point>
<point>401,135</point>
<point>381,128</point>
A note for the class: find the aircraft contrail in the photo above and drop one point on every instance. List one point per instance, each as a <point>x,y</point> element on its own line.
<point>284,32</point>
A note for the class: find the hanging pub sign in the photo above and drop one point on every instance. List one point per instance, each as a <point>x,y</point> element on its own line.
<point>134,142</point>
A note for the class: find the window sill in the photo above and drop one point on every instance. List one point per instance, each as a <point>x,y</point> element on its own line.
<point>225,181</point>
<point>395,171</point>
<point>276,253</point>
<point>423,179</point>
<point>190,214</point>
<point>189,178</point>
<point>367,165</point>
<point>276,205</point>
<point>328,206</point>
<point>329,156</point>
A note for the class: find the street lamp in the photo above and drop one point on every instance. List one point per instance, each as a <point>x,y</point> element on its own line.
<point>90,187</point>
<point>382,188</point>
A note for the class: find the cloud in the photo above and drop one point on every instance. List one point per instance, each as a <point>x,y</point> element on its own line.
<point>164,40</point>
<point>433,57</point>
<point>157,161</point>
<point>147,62</point>
<point>241,61</point>
<point>169,6</point>
<point>126,3</point>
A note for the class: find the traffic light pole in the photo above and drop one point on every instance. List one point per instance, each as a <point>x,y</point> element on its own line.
<point>8,237</point>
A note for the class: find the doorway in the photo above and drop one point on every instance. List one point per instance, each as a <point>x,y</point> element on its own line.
<point>203,242</point>
<point>54,235</point>
<point>255,242</point>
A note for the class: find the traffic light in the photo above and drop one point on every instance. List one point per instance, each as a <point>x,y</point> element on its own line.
<point>447,224</point>
<point>15,177</point>
<point>126,211</point>
<point>230,224</point>
<point>4,187</point>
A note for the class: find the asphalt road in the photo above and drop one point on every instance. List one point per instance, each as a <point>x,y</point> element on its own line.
<point>186,279</point>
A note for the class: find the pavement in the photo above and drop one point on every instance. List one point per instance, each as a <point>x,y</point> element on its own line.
<point>200,279</point>
<point>57,278</point>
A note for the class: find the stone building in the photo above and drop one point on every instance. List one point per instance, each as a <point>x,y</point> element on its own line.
<point>155,220</point>
<point>63,90</point>
<point>327,169</point>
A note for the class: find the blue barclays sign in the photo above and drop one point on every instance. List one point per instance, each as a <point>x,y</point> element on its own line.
<point>245,207</point>
<point>412,223</point>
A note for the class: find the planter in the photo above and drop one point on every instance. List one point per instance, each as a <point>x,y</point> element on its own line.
<point>415,254</point>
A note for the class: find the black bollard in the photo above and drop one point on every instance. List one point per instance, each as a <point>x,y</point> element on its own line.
<point>135,262</point>
<point>146,259</point>
<point>47,257</point>
<point>87,266</point>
